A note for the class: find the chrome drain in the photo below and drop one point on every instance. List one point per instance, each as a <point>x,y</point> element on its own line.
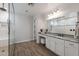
<point>3,50</point>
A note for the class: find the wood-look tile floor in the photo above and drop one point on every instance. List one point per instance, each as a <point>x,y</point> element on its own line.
<point>31,49</point>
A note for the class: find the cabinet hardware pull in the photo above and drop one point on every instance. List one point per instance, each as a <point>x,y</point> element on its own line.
<point>71,44</point>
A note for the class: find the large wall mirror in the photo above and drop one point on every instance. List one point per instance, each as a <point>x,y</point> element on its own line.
<point>63,25</point>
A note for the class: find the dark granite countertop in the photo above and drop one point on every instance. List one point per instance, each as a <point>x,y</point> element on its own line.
<point>63,37</point>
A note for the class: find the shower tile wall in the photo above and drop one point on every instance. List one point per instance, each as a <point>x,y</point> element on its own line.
<point>3,39</point>
<point>3,32</point>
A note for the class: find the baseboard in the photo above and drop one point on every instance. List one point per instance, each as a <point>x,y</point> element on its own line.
<point>23,41</point>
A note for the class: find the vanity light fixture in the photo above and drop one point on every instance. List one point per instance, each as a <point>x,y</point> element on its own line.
<point>55,14</point>
<point>50,16</point>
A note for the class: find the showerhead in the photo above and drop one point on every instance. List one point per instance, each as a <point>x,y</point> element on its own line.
<point>2,9</point>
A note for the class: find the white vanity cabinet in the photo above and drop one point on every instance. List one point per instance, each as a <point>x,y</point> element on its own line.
<point>50,43</point>
<point>71,48</point>
<point>56,45</point>
<point>60,47</point>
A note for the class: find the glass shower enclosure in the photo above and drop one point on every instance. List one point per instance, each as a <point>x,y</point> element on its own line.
<point>11,29</point>
<point>7,29</point>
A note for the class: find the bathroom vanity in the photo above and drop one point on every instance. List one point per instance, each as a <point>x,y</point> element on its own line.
<point>63,46</point>
<point>63,35</point>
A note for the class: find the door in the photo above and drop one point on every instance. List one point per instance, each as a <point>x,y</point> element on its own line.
<point>11,27</point>
<point>52,44</point>
<point>48,42</point>
<point>34,29</point>
<point>60,47</point>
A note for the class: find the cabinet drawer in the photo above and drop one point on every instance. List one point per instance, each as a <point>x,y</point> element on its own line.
<point>68,44</point>
<point>71,48</point>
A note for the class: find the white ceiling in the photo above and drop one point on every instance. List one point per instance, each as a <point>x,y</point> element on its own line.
<point>38,8</point>
<point>43,8</point>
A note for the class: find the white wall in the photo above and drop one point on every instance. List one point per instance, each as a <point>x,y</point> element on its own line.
<point>23,28</point>
<point>41,23</point>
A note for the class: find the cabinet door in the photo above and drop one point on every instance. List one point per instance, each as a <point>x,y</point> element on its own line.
<point>48,42</point>
<point>60,47</point>
<point>52,44</point>
<point>71,49</point>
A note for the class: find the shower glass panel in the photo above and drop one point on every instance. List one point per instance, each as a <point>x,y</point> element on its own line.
<point>3,29</point>
<point>7,29</point>
<point>11,29</point>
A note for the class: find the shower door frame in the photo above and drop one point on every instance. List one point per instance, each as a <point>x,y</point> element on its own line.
<point>9,39</point>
